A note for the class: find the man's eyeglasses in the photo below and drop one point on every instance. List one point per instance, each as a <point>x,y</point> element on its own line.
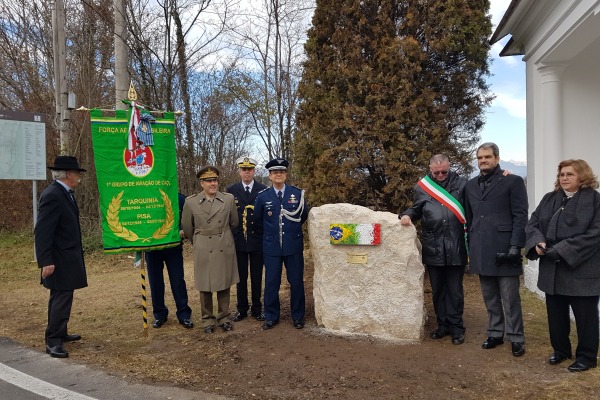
<point>436,173</point>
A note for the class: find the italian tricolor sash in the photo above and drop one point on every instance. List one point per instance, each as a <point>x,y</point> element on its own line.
<point>441,195</point>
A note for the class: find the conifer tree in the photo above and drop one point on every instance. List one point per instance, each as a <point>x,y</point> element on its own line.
<point>387,84</point>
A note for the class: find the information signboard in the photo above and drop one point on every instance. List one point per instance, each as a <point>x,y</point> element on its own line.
<point>22,145</point>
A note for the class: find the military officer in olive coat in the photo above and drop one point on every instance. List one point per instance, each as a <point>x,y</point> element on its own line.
<point>208,219</point>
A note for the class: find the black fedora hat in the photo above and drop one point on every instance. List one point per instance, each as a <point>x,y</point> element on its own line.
<point>66,163</point>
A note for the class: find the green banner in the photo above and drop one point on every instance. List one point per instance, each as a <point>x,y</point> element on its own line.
<point>137,183</point>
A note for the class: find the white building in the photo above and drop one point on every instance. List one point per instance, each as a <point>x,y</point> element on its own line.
<point>559,41</point>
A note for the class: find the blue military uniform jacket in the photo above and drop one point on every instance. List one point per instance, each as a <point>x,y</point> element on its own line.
<point>253,239</point>
<point>267,210</point>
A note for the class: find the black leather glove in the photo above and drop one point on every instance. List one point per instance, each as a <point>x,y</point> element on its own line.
<point>512,257</point>
<point>553,255</point>
<point>501,258</point>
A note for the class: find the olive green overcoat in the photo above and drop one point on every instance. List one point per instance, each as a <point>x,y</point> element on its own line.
<point>208,225</point>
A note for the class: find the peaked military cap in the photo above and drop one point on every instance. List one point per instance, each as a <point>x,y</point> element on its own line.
<point>277,164</point>
<point>208,172</point>
<point>246,162</point>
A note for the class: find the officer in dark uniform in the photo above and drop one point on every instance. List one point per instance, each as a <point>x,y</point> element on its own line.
<point>248,241</point>
<point>279,213</point>
<point>173,258</point>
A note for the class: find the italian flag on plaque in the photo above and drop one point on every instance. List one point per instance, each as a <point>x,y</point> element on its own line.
<point>361,234</point>
<point>136,169</point>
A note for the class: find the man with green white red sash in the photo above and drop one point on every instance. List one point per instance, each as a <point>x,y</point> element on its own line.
<point>438,199</point>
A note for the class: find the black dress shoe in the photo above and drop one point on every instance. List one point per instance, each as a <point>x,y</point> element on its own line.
<point>187,323</point>
<point>492,342</point>
<point>209,329</point>
<point>71,338</point>
<point>298,324</point>
<point>57,351</point>
<point>239,316</point>
<point>227,326</point>
<point>518,348</point>
<point>579,366</point>
<point>557,358</point>
<point>269,324</point>
<point>458,339</point>
<point>259,316</point>
<point>439,333</point>
<point>159,322</point>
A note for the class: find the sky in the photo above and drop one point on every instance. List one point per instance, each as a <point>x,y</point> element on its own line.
<point>505,119</point>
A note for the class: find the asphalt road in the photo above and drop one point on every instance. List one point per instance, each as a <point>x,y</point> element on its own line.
<point>26,374</point>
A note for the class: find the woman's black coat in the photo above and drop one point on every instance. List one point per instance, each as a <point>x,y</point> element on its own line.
<point>571,230</point>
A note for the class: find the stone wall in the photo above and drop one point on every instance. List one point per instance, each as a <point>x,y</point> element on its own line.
<point>382,298</point>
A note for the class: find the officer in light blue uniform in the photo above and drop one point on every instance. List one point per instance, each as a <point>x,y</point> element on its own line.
<point>280,211</point>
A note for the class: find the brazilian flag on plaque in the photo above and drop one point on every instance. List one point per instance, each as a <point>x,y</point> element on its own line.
<point>137,179</point>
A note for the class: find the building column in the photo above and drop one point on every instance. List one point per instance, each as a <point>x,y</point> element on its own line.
<point>551,141</point>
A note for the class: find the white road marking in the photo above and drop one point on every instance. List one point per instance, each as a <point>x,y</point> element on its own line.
<point>38,386</point>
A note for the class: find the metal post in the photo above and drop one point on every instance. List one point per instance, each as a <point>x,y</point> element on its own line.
<point>60,78</point>
<point>144,313</point>
<point>121,59</point>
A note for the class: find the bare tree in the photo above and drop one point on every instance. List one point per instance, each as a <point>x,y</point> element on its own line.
<point>270,41</point>
<point>169,39</point>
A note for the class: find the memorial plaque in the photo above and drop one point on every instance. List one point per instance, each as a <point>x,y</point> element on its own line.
<point>357,258</point>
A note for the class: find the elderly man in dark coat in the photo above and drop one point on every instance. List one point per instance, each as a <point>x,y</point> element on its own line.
<point>496,209</point>
<point>438,200</point>
<point>59,252</point>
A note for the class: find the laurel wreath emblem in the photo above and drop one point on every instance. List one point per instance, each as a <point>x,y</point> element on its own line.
<point>166,227</point>
<point>112,218</point>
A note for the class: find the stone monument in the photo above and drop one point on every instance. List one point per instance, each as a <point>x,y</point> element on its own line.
<point>374,289</point>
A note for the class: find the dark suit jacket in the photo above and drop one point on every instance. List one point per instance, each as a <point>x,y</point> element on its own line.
<point>58,239</point>
<point>253,240</point>
<point>266,214</point>
<point>496,220</point>
<point>573,231</point>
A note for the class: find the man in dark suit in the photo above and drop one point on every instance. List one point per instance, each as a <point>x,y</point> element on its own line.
<point>173,258</point>
<point>59,252</point>
<point>279,212</point>
<point>248,241</point>
<point>496,210</point>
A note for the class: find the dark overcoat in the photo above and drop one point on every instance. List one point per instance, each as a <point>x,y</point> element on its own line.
<point>572,229</point>
<point>443,235</point>
<point>208,226</point>
<point>58,239</point>
<point>496,220</point>
<point>267,209</point>
<point>252,242</point>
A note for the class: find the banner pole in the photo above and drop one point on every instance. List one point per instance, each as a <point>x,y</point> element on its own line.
<point>143,278</point>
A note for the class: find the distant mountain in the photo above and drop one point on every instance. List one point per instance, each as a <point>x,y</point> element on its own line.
<point>515,167</point>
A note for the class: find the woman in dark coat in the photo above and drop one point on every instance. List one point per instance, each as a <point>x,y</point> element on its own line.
<point>564,234</point>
